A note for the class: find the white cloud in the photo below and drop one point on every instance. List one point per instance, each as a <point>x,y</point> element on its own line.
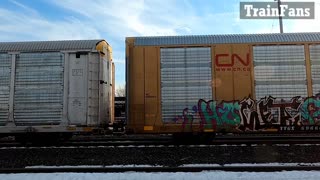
<point>126,18</point>
<point>26,8</point>
<point>120,61</point>
<point>305,25</point>
<point>121,18</point>
<point>114,20</point>
<point>23,25</point>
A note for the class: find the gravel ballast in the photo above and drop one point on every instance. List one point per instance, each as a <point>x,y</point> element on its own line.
<point>165,156</point>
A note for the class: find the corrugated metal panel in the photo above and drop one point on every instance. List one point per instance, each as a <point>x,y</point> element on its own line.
<point>38,97</point>
<point>225,39</point>
<point>280,71</point>
<point>48,45</point>
<point>315,68</point>
<point>185,78</point>
<point>5,78</point>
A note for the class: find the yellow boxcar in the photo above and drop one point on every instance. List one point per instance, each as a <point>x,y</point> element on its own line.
<point>223,83</point>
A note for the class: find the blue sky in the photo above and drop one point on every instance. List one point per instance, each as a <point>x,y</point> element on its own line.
<point>113,20</point>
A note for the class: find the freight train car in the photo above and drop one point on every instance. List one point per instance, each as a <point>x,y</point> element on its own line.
<point>55,86</point>
<point>258,83</point>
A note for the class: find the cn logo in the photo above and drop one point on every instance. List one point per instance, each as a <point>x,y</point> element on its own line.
<point>233,58</point>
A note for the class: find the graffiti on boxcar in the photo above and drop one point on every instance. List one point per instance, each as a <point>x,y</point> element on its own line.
<point>250,115</point>
<point>218,114</point>
<point>310,111</point>
<point>268,114</point>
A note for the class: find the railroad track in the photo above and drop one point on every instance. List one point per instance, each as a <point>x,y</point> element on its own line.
<point>96,141</point>
<point>165,141</point>
<point>159,169</point>
<point>89,143</point>
<point>249,140</point>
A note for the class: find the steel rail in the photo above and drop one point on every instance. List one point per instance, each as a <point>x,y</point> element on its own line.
<point>269,140</point>
<point>159,169</point>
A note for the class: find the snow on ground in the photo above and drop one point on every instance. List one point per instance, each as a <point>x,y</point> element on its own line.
<point>185,165</point>
<point>252,164</point>
<point>205,175</point>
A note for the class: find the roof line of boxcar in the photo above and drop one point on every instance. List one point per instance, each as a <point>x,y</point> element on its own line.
<point>59,45</point>
<point>227,38</point>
